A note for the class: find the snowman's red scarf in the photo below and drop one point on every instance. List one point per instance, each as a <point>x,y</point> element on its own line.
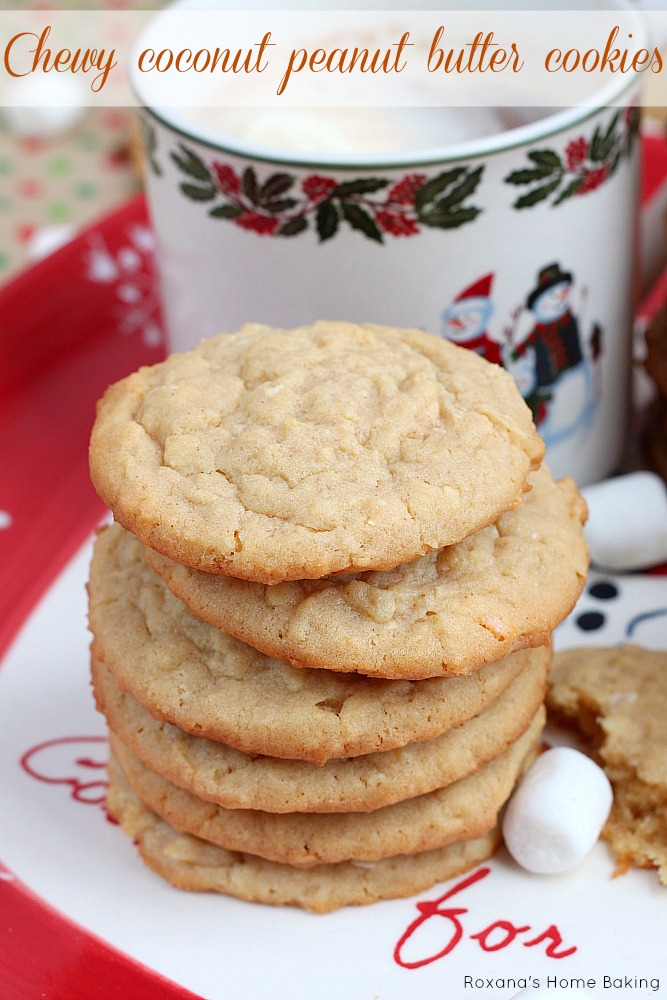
<point>558,346</point>
<point>489,349</point>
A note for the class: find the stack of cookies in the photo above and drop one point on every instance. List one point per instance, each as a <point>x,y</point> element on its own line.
<point>321,622</point>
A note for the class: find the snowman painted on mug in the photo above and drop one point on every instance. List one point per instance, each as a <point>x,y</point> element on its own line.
<point>465,321</point>
<point>542,348</point>
<point>563,395</point>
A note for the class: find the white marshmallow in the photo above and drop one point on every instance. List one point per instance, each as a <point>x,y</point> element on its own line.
<point>352,130</point>
<point>627,522</point>
<point>556,814</point>
<point>37,106</point>
<point>46,239</point>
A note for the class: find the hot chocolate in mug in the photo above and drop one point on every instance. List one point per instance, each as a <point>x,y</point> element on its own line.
<point>519,243</point>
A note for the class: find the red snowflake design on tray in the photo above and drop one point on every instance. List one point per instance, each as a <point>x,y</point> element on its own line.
<point>281,204</point>
<point>128,271</point>
<point>583,166</point>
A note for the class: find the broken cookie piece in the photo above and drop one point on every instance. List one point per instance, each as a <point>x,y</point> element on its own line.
<point>617,697</point>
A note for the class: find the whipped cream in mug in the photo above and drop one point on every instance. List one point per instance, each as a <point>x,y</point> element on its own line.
<point>360,130</point>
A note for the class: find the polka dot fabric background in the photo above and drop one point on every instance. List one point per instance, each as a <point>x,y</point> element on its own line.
<point>52,188</point>
<point>71,180</point>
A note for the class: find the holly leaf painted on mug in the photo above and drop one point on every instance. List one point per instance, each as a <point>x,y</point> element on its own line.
<point>279,205</point>
<point>462,190</point>
<point>546,160</point>
<point>363,185</point>
<point>547,163</point>
<point>525,176</point>
<point>537,194</point>
<point>292,227</point>
<point>436,185</point>
<point>595,151</point>
<point>275,186</point>
<point>326,220</point>
<point>448,212</point>
<point>190,164</point>
<point>250,185</point>
<point>360,219</point>
<point>569,189</point>
<point>449,219</point>
<point>225,212</point>
<point>603,143</point>
<point>611,128</point>
<point>197,193</point>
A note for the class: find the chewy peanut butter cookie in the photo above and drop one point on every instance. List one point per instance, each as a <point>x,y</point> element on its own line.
<point>505,587</point>
<point>618,697</point>
<point>190,863</point>
<point>275,455</point>
<point>464,810</point>
<point>210,684</point>
<point>221,774</point>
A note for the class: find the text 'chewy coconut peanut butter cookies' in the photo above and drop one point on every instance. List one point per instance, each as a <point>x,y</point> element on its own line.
<point>274,455</point>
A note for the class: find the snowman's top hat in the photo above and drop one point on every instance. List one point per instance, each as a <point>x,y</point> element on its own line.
<point>547,278</point>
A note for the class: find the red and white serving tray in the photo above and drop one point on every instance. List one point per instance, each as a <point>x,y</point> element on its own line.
<point>81,918</point>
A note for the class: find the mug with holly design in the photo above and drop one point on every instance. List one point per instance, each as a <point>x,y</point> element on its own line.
<point>519,245</point>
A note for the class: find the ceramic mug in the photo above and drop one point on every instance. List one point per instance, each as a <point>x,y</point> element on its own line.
<point>520,246</point>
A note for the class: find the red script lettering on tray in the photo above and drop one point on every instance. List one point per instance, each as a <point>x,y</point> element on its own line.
<point>68,760</point>
<point>498,934</point>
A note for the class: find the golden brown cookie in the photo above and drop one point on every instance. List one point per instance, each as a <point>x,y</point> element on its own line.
<point>464,810</point>
<point>276,455</point>
<point>618,698</point>
<point>210,684</point>
<point>221,774</point>
<point>193,864</point>
<point>505,587</point>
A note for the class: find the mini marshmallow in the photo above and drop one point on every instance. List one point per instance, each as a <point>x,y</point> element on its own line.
<point>351,130</point>
<point>292,130</point>
<point>556,814</point>
<point>46,239</point>
<point>627,522</point>
<point>37,106</point>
